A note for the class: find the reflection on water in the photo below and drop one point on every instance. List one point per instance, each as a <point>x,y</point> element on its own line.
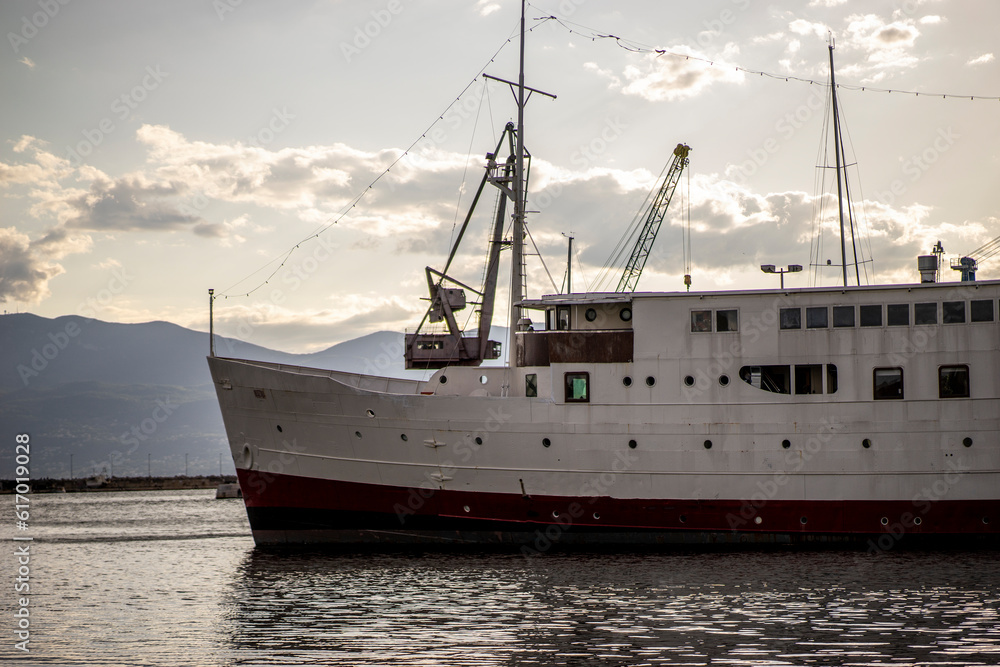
<point>172,578</point>
<point>692,608</point>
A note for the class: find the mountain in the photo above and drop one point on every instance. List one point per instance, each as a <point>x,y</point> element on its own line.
<point>130,399</point>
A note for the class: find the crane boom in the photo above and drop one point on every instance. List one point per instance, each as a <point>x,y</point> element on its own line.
<point>969,264</point>
<point>654,218</point>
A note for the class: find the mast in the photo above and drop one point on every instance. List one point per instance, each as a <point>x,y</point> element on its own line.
<point>517,260</point>
<point>836,150</point>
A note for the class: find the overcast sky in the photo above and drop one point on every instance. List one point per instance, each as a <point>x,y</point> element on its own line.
<point>152,150</point>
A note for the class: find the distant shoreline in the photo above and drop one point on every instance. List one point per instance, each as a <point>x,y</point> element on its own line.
<point>77,485</point>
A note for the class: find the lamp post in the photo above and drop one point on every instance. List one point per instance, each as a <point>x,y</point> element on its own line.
<point>792,268</point>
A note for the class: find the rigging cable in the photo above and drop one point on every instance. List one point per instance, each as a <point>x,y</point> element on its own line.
<point>334,219</point>
<point>614,261</point>
<point>637,47</point>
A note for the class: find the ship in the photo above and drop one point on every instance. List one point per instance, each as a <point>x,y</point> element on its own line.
<point>849,414</point>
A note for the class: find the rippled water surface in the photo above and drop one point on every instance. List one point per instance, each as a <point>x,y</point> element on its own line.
<point>172,578</point>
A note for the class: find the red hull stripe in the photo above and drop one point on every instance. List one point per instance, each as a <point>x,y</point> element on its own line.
<point>286,506</point>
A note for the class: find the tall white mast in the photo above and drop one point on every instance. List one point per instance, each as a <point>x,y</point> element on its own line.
<point>517,261</point>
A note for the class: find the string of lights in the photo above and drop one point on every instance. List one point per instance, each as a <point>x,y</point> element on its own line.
<point>637,47</point>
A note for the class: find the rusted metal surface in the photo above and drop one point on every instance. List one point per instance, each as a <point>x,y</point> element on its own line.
<point>543,348</point>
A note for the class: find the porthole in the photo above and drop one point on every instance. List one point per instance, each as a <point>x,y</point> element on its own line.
<point>650,381</point>
<point>591,314</point>
<point>708,444</point>
<point>758,520</point>
<point>689,380</point>
<point>884,521</point>
<point>917,521</point>
<point>466,508</point>
<point>546,442</point>
<point>479,440</point>
<point>370,413</point>
<point>357,434</point>
<point>632,444</point>
<point>967,442</point>
<point>627,381</point>
<point>724,380</point>
<point>483,379</point>
<point>625,314</point>
<point>443,379</point>
<point>866,443</point>
<point>682,518</point>
<point>596,515</point>
<point>803,520</point>
<point>986,520</point>
<point>555,514</point>
<point>402,436</point>
<point>786,443</point>
<point>280,430</point>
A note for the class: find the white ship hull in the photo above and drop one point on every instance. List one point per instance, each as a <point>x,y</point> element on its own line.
<point>698,447</point>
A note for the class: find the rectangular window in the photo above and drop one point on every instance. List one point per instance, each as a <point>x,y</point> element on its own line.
<point>817,318</point>
<point>831,379</point>
<point>888,383</point>
<point>531,385</point>
<point>953,382</point>
<point>767,378</point>
<point>791,318</point>
<point>982,311</point>
<point>843,316</point>
<point>899,314</point>
<point>925,313</point>
<point>701,320</point>
<point>727,320</point>
<point>562,318</point>
<point>871,315</point>
<point>809,379</point>
<point>577,387</point>
<point>953,312</point>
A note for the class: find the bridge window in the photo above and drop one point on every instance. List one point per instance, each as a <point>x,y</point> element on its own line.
<point>817,318</point>
<point>843,316</point>
<point>791,318</point>
<point>888,383</point>
<point>899,314</point>
<point>577,387</point>
<point>925,313</point>
<point>953,312</point>
<point>953,382</point>
<point>531,385</point>
<point>871,315</point>
<point>982,311</point>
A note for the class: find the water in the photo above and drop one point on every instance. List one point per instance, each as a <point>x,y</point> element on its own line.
<point>172,578</point>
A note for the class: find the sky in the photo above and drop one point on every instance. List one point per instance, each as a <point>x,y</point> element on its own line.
<point>151,150</point>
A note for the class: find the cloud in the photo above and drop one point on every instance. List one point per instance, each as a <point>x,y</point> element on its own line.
<point>26,266</point>
<point>981,60</point>
<point>27,62</point>
<point>885,45</point>
<point>130,203</point>
<point>670,77</point>
<point>487,7</point>
<point>803,27</point>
